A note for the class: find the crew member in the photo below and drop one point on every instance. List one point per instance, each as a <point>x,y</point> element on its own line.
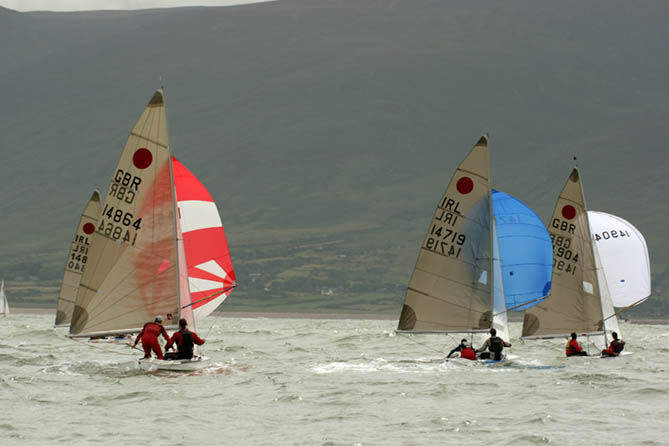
<point>616,346</point>
<point>149,336</point>
<point>465,349</point>
<point>573,348</point>
<point>184,339</point>
<point>494,344</point>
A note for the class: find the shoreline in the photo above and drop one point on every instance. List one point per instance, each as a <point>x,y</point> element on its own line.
<point>306,315</point>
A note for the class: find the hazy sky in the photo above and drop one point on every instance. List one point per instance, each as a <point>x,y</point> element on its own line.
<point>94,5</point>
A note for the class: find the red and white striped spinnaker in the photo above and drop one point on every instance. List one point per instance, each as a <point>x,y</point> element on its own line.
<point>211,276</point>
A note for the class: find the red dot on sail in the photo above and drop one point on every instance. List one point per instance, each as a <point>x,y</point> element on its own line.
<point>465,185</point>
<point>142,158</point>
<point>568,212</point>
<point>89,228</point>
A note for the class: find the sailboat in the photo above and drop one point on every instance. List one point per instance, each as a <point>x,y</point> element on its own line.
<point>158,249</point>
<point>456,285</point>
<point>4,305</point>
<point>580,300</point>
<point>77,258</point>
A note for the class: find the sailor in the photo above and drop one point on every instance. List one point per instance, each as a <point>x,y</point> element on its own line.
<point>149,336</point>
<point>616,346</point>
<point>184,340</point>
<point>494,344</point>
<point>573,348</point>
<point>465,349</point>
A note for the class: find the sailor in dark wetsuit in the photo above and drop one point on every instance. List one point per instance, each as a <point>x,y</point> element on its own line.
<point>184,340</point>
<point>494,345</point>
<point>616,346</point>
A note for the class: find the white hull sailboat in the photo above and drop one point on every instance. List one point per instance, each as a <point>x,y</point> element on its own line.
<point>580,300</point>
<point>456,285</point>
<point>4,305</point>
<point>158,248</point>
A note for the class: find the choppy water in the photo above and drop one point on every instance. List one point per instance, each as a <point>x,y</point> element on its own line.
<point>313,382</point>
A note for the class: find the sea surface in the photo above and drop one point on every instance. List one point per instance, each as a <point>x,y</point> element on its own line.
<point>328,382</point>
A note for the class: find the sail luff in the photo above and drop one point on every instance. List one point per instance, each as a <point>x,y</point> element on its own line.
<point>4,309</point>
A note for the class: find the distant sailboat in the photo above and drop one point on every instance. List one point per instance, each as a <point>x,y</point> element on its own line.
<point>156,245</point>
<point>76,261</point>
<point>4,305</point>
<point>579,301</point>
<point>456,285</point>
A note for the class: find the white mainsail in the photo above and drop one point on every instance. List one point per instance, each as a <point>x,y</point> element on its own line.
<point>624,257</point>
<point>456,284</point>
<point>4,305</point>
<point>579,300</point>
<point>132,273</point>
<point>76,261</point>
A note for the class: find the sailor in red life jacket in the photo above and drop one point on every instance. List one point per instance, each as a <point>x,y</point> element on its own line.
<point>573,348</point>
<point>149,336</point>
<point>184,340</point>
<point>465,349</point>
<point>616,346</point>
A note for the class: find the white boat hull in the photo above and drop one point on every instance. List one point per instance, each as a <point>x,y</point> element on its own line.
<point>176,365</point>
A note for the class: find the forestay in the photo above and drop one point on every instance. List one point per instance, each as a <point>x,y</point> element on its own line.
<point>211,276</point>
<point>451,287</point>
<point>131,274</point>
<point>525,251</point>
<point>579,300</point>
<point>624,256</point>
<point>77,259</point>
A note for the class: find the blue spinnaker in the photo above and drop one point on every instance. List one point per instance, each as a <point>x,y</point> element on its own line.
<point>526,252</point>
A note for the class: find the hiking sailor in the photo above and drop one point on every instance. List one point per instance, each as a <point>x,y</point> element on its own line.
<point>184,340</point>
<point>616,346</point>
<point>494,345</point>
<point>465,349</point>
<point>573,348</point>
<point>149,336</point>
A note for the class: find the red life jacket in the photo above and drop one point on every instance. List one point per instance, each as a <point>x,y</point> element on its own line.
<point>573,347</point>
<point>468,353</point>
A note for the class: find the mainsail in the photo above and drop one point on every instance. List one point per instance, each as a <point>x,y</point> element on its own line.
<point>456,286</point>
<point>579,300</point>
<point>624,256</point>
<point>4,305</point>
<point>211,276</point>
<point>525,251</point>
<point>132,275</point>
<point>76,261</point>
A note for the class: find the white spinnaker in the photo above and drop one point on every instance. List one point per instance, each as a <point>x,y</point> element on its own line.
<point>77,259</point>
<point>624,256</point>
<point>451,286</point>
<point>132,272</point>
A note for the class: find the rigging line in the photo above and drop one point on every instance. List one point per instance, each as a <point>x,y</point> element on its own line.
<point>424,345</point>
<point>629,307</point>
<point>217,293</point>
<point>100,348</point>
<point>521,305</point>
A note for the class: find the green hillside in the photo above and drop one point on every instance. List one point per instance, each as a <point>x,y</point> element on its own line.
<point>326,130</point>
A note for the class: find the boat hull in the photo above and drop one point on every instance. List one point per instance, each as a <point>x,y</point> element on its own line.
<point>176,365</point>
